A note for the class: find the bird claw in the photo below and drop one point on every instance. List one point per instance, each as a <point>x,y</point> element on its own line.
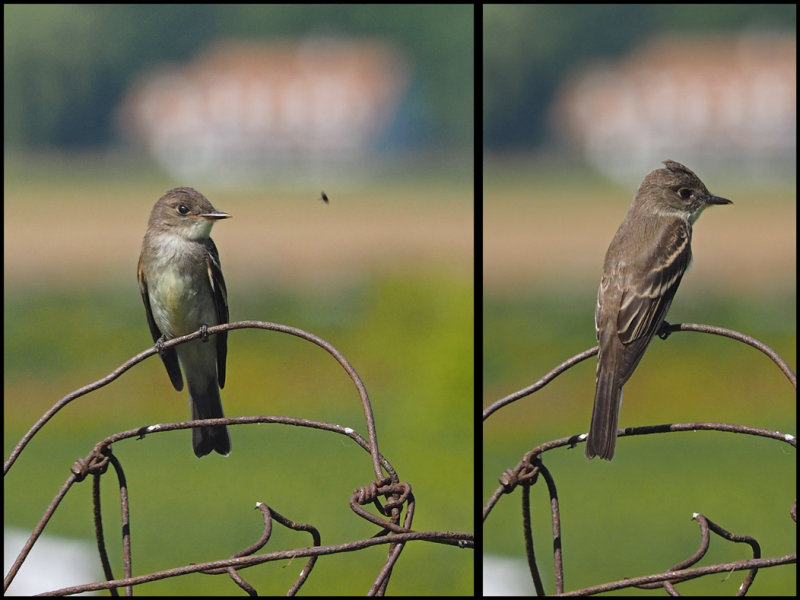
<point>664,330</point>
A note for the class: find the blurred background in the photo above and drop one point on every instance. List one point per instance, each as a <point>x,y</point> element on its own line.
<point>263,109</point>
<point>580,103</point>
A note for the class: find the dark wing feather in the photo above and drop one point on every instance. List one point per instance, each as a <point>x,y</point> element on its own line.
<point>220,293</point>
<point>644,306</point>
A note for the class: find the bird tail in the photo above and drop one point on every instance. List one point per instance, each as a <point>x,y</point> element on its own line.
<point>206,404</point>
<point>605,417</point>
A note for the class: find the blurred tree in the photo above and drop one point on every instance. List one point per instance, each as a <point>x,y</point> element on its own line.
<point>67,66</point>
<point>528,49</point>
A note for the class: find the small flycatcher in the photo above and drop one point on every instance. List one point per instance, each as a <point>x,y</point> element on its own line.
<point>643,267</point>
<point>183,290</point>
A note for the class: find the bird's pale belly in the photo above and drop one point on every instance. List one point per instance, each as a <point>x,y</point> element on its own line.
<point>178,306</point>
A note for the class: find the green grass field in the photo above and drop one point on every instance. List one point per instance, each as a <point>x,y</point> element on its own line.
<point>402,315</point>
<point>385,274</point>
<point>544,239</point>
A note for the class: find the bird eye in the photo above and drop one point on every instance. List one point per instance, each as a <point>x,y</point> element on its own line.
<point>685,193</point>
<point>183,209</point>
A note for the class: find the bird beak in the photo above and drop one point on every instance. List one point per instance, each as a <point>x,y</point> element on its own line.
<point>717,200</point>
<point>215,215</point>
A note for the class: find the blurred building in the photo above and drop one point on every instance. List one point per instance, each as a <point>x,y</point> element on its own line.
<point>725,99</point>
<point>242,108</point>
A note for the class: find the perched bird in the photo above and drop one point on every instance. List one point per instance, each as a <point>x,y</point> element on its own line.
<point>183,290</point>
<point>643,268</point>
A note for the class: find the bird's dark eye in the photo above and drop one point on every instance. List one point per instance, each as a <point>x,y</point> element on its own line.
<point>685,193</point>
<point>183,209</point>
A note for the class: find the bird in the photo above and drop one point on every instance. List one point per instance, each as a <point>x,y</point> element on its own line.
<point>181,283</point>
<point>642,270</point>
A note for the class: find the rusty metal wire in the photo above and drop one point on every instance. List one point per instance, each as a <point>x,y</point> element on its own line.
<point>664,332</point>
<point>526,474</point>
<point>396,494</point>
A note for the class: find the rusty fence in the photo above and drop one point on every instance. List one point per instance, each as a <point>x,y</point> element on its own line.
<point>386,502</point>
<point>532,469</point>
